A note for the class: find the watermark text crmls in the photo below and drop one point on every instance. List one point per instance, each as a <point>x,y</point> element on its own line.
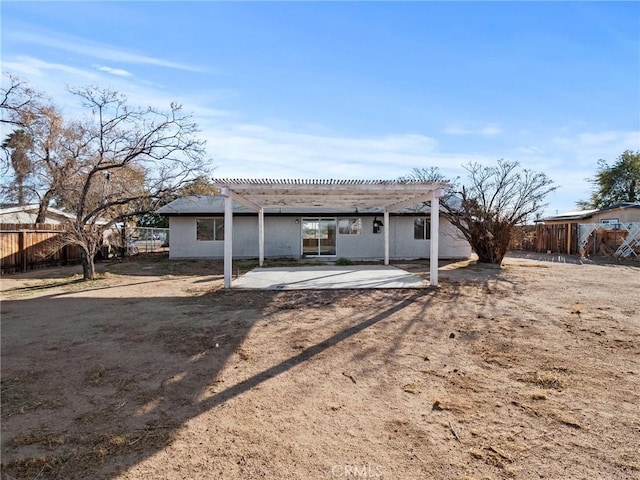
<point>352,470</point>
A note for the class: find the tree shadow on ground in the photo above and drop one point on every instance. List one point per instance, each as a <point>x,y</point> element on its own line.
<point>93,386</point>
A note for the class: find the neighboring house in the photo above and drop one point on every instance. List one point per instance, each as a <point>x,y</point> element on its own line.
<point>27,214</point>
<point>25,245</point>
<point>620,213</point>
<point>196,226</point>
<point>613,230</point>
<point>24,217</point>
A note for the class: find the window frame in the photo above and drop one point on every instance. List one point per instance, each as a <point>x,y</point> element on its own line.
<point>216,229</point>
<point>425,227</point>
<point>349,229</point>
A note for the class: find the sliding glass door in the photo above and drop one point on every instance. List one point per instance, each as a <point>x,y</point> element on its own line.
<point>318,236</point>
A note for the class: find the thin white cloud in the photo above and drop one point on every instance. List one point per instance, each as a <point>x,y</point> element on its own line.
<point>587,148</point>
<point>119,72</point>
<point>38,68</point>
<point>530,150</point>
<point>487,131</point>
<point>607,138</point>
<point>258,151</point>
<point>104,52</point>
<point>250,150</point>
<point>600,139</point>
<point>53,79</point>
<point>278,149</point>
<point>571,159</point>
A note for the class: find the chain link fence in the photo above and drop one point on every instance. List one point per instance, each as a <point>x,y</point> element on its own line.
<point>129,241</point>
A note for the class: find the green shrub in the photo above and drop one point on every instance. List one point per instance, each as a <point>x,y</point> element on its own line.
<point>343,261</point>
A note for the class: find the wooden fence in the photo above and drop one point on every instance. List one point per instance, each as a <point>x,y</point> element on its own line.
<point>560,238</point>
<point>599,239</point>
<point>28,246</point>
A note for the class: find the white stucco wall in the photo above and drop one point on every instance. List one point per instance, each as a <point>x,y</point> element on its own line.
<point>283,239</point>
<point>183,244</point>
<point>403,245</point>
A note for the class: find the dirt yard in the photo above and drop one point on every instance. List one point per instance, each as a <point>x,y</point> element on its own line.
<point>154,372</point>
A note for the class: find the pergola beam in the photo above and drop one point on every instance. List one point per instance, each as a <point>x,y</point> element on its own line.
<point>247,203</point>
<point>328,193</point>
<point>257,195</point>
<point>422,198</point>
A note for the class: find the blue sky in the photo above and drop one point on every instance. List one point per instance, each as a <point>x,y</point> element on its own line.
<point>359,89</point>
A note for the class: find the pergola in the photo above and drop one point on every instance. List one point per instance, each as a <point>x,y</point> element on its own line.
<point>389,195</point>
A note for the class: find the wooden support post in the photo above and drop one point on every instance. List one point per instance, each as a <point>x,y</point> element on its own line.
<point>435,232</point>
<point>261,236</point>
<point>386,236</point>
<point>228,236</point>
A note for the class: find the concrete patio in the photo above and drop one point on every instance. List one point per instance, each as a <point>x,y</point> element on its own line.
<point>328,277</point>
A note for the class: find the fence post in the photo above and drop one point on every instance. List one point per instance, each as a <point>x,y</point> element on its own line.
<point>539,234</point>
<point>22,251</point>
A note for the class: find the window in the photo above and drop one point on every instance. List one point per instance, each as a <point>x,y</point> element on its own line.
<point>421,229</point>
<point>350,226</point>
<point>219,228</point>
<point>609,221</point>
<point>208,229</point>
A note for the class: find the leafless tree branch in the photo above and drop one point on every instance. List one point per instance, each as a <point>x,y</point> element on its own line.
<point>493,201</point>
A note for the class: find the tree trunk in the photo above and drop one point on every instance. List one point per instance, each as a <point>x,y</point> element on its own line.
<point>88,266</point>
<point>487,256</point>
<point>20,195</point>
<point>488,252</point>
<point>44,207</point>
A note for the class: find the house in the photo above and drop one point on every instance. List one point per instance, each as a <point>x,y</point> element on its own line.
<point>21,220</point>
<point>613,230</point>
<point>196,229</point>
<point>620,213</point>
<point>312,218</point>
<point>27,214</point>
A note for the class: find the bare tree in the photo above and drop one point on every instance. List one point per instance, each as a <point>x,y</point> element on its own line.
<point>426,174</point>
<point>117,163</point>
<point>51,162</point>
<point>494,200</point>
<point>18,101</point>
<point>123,162</point>
<point>33,150</point>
